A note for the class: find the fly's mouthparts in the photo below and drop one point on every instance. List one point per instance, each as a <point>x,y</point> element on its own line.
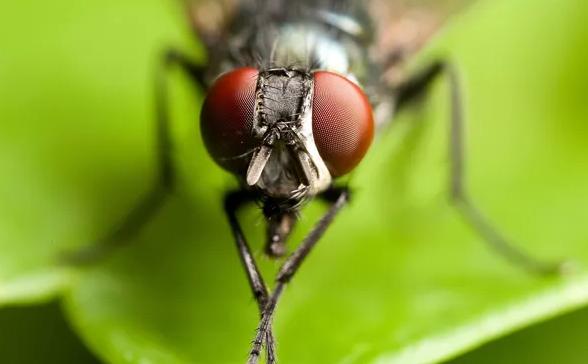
<point>257,164</point>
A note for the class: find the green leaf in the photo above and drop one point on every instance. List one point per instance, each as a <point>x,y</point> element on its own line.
<point>560,340</point>
<point>35,287</point>
<point>398,278</point>
<point>39,334</point>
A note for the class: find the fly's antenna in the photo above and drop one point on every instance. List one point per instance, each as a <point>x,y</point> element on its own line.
<point>240,156</point>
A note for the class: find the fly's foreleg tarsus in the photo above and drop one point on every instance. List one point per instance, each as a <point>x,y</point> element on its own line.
<point>338,199</point>
<point>233,201</point>
<point>175,57</point>
<point>153,200</point>
<point>415,88</point>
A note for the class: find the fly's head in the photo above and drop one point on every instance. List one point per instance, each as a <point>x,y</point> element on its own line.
<point>286,132</point>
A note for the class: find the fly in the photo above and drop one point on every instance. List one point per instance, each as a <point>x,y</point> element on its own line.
<point>296,91</point>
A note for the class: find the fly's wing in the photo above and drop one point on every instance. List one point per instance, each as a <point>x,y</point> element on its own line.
<point>210,19</point>
<point>404,26</point>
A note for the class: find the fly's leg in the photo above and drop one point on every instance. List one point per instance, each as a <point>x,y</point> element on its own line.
<point>233,201</point>
<point>460,198</point>
<point>153,200</point>
<point>338,199</point>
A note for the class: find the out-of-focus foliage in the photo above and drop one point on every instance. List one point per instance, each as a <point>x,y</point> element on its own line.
<point>39,334</point>
<point>561,340</point>
<point>398,278</point>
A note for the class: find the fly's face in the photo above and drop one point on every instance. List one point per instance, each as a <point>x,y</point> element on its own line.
<point>287,132</point>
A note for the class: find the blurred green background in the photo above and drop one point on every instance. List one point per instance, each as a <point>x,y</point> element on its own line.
<point>399,278</point>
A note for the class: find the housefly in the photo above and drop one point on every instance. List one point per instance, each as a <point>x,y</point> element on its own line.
<point>296,91</point>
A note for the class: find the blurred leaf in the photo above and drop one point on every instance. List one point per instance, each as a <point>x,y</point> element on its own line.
<point>561,340</point>
<point>37,287</point>
<point>398,278</point>
<point>39,334</point>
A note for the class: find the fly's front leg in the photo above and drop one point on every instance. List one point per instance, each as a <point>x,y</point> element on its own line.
<point>233,201</point>
<point>338,199</point>
<point>416,87</point>
<point>171,58</point>
<point>152,201</point>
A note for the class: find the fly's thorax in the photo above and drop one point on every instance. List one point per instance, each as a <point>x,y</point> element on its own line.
<point>319,46</point>
<point>322,35</point>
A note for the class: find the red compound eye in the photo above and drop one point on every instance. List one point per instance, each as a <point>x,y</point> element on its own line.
<point>342,122</point>
<point>227,117</point>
